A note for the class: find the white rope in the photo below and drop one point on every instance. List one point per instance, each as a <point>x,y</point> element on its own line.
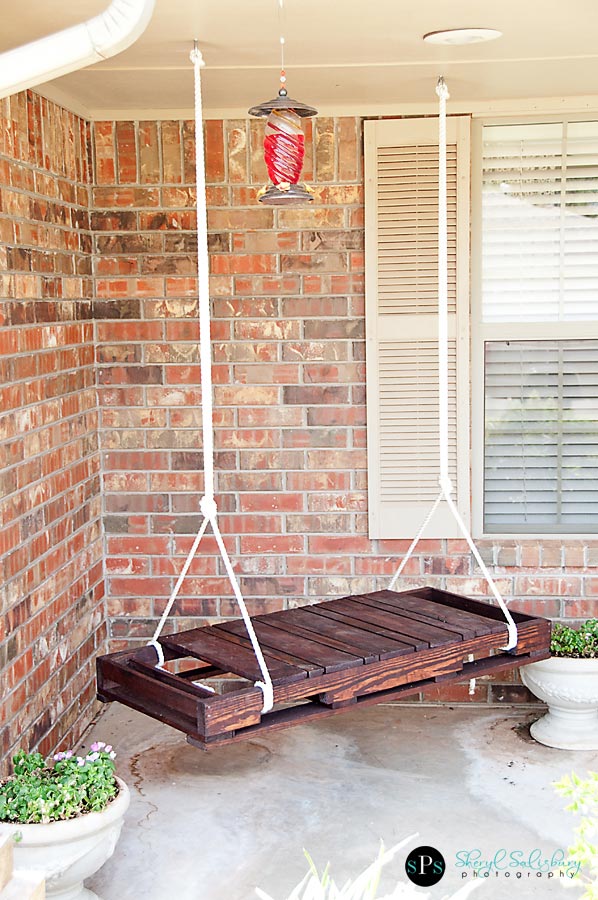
<point>154,641</point>
<point>208,504</point>
<point>415,541</point>
<point>443,373</point>
<point>446,487</point>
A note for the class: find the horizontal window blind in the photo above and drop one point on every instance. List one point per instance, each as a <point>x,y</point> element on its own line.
<point>540,222</point>
<point>541,436</point>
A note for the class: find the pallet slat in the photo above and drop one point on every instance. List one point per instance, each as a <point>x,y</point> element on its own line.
<point>212,646</point>
<point>346,637</point>
<point>432,613</point>
<point>273,638</point>
<point>403,627</point>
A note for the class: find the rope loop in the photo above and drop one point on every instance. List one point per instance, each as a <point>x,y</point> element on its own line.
<point>446,486</point>
<point>208,505</point>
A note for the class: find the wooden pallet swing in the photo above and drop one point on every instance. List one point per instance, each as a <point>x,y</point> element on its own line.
<point>301,664</point>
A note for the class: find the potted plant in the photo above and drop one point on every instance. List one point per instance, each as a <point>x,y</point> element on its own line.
<point>64,815</point>
<point>568,682</point>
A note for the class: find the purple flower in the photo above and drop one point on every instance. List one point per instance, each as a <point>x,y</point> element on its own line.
<point>81,761</point>
<point>58,756</point>
<point>91,757</point>
<point>108,748</point>
<point>68,754</point>
<point>97,745</point>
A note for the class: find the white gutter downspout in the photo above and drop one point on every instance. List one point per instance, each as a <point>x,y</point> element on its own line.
<point>74,48</point>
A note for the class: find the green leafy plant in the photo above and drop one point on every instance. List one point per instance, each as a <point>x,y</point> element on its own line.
<point>62,788</point>
<point>581,643</point>
<point>583,796</point>
<point>322,887</point>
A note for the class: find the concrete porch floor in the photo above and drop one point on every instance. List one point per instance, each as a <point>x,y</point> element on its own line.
<point>214,825</point>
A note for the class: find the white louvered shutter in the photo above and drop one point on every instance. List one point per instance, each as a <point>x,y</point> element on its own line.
<point>401,167</point>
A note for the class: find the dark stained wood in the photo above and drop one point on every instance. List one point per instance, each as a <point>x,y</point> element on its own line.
<point>379,676</point>
<point>418,605</point>
<point>324,611</point>
<point>200,673</point>
<point>296,627</point>
<point>484,609</point>
<point>182,684</point>
<point>212,646</point>
<point>148,689</point>
<point>310,712</point>
<point>336,633</point>
<point>420,615</point>
<point>239,636</point>
<point>302,648</point>
<point>404,628</point>
<point>323,659</point>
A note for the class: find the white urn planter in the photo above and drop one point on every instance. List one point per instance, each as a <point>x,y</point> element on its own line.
<point>67,852</point>
<point>570,688</point>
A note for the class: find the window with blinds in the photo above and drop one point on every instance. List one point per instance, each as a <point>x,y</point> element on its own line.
<point>541,428</point>
<point>540,222</point>
<point>539,327</point>
<point>402,322</point>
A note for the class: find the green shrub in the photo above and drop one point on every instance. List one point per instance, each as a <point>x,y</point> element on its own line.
<point>583,796</point>
<point>63,788</point>
<point>579,643</point>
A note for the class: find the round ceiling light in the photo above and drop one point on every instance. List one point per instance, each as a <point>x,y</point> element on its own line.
<point>459,36</point>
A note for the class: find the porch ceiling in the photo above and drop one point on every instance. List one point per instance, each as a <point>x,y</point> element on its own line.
<point>342,55</point>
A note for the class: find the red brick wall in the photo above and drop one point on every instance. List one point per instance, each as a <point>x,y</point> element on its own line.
<point>288,328</point>
<point>288,336</point>
<point>52,618</point>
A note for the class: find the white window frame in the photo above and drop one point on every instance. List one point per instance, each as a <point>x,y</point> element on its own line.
<point>499,331</point>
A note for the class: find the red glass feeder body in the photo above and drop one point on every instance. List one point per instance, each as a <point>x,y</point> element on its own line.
<point>284,146</point>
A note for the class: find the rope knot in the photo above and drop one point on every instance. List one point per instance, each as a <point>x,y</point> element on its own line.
<point>442,89</point>
<point>196,57</point>
<point>208,508</point>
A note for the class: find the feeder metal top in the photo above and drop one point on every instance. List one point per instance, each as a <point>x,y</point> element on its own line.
<point>283,102</point>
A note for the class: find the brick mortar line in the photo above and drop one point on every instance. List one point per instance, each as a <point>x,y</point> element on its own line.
<point>63,204</point>
<point>42,635</point>
<point>80,725</point>
<point>43,351</point>
<point>69,562</point>
<point>44,426</point>
<point>47,173</point>
<point>31,672</point>
<point>54,497</point>
<point>44,453</point>
<point>37,404</point>
<point>43,556</point>
<point>50,251</point>
<point>64,716</point>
